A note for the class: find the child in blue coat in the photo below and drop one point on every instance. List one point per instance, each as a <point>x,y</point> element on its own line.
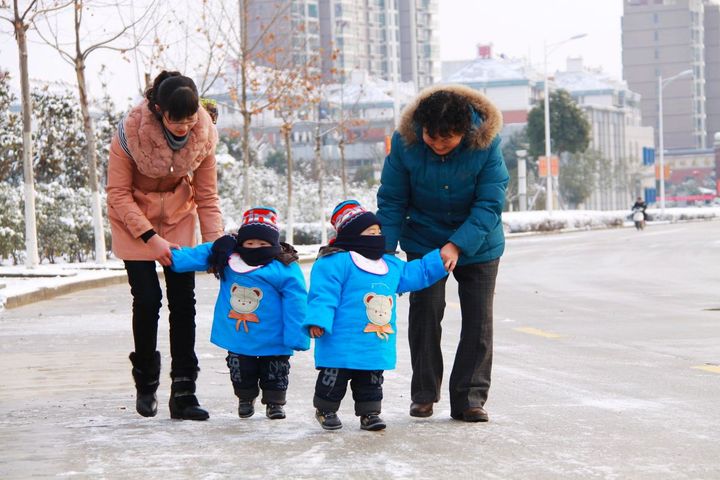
<point>353,287</point>
<point>259,310</point>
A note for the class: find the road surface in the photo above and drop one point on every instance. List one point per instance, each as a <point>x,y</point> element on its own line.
<point>606,366</point>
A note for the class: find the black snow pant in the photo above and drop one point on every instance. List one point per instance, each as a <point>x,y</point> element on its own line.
<point>250,374</point>
<point>366,386</point>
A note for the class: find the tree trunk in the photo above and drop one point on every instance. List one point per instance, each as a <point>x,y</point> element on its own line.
<point>343,176</point>
<point>320,174</point>
<point>289,236</point>
<point>91,161</point>
<point>247,118</point>
<point>31,247</point>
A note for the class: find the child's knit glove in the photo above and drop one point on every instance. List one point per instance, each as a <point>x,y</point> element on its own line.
<point>219,253</point>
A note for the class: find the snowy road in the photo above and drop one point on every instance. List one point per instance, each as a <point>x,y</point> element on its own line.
<point>606,366</point>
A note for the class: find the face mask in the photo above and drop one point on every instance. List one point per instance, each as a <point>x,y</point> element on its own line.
<point>370,246</point>
<point>258,256</point>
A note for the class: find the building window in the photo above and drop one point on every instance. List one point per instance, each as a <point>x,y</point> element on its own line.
<point>655,35</point>
<point>657,54</point>
<point>656,18</point>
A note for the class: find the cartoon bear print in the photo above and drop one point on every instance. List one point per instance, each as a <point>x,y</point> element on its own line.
<point>244,301</point>
<point>378,309</point>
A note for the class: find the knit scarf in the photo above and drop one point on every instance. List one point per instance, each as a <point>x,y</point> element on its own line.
<point>175,143</point>
<point>369,246</point>
<point>258,256</point>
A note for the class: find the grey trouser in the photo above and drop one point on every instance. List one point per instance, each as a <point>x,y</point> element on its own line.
<point>470,377</point>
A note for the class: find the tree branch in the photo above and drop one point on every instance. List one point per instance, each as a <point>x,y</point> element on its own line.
<point>63,54</point>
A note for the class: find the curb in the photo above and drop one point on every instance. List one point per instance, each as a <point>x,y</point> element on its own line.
<point>46,293</point>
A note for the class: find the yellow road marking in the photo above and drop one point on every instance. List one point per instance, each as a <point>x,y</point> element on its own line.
<point>537,331</point>
<point>708,368</point>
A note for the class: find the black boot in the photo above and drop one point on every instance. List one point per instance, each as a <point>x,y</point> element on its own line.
<point>146,373</point>
<point>328,420</point>
<point>246,408</point>
<point>274,411</point>
<point>372,422</point>
<point>184,404</point>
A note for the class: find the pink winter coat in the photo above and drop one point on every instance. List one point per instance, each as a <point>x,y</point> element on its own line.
<point>161,189</point>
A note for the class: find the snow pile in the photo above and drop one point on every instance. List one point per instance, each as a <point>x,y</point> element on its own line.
<point>542,221</point>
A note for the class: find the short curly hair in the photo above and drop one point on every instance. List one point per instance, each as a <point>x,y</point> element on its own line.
<point>444,113</point>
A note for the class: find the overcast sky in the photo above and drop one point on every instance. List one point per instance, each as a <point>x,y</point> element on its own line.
<point>516,28</point>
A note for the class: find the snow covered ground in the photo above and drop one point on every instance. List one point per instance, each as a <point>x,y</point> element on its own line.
<point>606,367</point>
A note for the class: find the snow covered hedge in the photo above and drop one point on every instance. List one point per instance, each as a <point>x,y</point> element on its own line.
<point>64,223</point>
<point>541,221</point>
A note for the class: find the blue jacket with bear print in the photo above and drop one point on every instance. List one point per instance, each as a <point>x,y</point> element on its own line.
<point>353,299</point>
<point>259,310</point>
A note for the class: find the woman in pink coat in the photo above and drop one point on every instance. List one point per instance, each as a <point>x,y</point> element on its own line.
<point>161,177</point>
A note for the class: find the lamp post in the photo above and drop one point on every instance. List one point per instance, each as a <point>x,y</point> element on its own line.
<point>522,179</point>
<point>661,147</point>
<point>548,189</point>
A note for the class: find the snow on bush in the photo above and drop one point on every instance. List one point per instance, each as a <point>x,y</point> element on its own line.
<point>541,221</point>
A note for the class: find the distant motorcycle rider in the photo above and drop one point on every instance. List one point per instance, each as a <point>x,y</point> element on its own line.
<point>640,203</point>
<point>639,207</point>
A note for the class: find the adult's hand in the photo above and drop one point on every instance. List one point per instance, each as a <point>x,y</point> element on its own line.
<point>316,331</point>
<point>160,249</point>
<point>450,254</point>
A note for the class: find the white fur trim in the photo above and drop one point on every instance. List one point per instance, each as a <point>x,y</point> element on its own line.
<point>378,267</point>
<point>237,264</point>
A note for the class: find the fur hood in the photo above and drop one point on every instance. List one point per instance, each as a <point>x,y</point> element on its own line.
<point>480,136</point>
<point>150,151</point>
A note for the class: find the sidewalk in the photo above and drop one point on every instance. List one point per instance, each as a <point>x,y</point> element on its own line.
<point>20,285</point>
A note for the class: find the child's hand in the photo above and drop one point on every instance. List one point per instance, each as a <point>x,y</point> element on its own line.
<point>449,254</point>
<point>316,332</point>
<point>219,253</point>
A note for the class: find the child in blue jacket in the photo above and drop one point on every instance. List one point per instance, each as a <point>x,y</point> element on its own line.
<point>352,300</point>
<point>259,309</point>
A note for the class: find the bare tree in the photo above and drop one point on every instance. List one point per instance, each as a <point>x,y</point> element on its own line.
<point>21,20</point>
<point>189,38</point>
<point>251,87</point>
<point>76,55</point>
<point>297,97</point>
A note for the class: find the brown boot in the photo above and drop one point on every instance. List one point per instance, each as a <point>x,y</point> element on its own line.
<point>472,414</point>
<point>421,410</point>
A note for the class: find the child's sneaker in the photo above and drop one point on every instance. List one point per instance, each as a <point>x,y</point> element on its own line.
<point>274,411</point>
<point>328,420</point>
<point>246,408</point>
<point>372,422</point>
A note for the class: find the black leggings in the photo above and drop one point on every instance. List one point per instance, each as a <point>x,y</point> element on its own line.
<point>147,300</point>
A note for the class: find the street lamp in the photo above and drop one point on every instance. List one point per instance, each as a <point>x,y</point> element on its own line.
<point>522,179</point>
<point>548,190</point>
<point>662,84</point>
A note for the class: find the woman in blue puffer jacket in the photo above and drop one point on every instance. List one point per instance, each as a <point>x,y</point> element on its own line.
<point>443,186</point>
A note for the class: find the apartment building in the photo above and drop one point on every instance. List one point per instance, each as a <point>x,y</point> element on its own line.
<point>664,38</point>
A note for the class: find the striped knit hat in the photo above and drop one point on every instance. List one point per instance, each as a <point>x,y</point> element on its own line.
<point>350,218</point>
<point>260,223</point>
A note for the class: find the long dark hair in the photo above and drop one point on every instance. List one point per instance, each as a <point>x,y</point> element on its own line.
<point>175,94</point>
<point>444,113</point>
